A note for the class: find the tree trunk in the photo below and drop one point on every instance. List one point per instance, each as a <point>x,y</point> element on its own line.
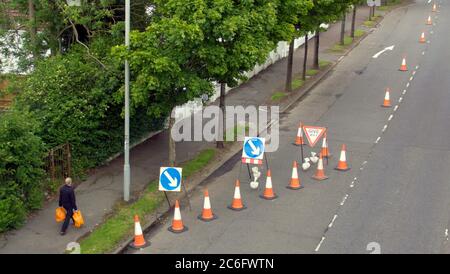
<point>343,28</point>
<point>305,58</point>
<point>370,13</point>
<point>290,66</point>
<point>172,146</point>
<point>352,34</point>
<point>32,22</point>
<point>316,50</point>
<point>219,143</point>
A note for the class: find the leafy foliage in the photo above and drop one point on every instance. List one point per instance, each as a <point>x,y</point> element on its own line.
<point>21,153</point>
<point>163,61</point>
<point>75,101</point>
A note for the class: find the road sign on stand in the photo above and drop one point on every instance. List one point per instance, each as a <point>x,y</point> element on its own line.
<point>170,179</point>
<point>313,134</point>
<point>253,148</point>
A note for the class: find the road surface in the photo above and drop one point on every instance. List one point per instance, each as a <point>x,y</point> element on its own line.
<point>395,198</point>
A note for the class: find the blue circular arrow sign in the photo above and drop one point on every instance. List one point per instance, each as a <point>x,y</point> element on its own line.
<point>254,148</point>
<point>170,179</point>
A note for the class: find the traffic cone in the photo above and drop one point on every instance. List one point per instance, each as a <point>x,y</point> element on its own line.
<point>325,152</point>
<point>429,20</point>
<point>422,38</point>
<point>342,164</point>
<point>207,214</point>
<point>299,141</point>
<point>139,241</point>
<point>387,99</point>
<point>268,191</point>
<point>237,201</point>
<point>295,181</point>
<point>320,173</point>
<point>177,223</point>
<point>434,8</point>
<point>403,67</point>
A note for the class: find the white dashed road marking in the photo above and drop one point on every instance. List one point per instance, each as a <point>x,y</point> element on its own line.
<point>318,246</point>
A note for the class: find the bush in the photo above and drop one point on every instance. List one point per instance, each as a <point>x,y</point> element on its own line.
<point>78,101</point>
<point>21,174</point>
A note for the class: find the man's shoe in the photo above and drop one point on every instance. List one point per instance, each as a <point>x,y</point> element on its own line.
<point>62,233</point>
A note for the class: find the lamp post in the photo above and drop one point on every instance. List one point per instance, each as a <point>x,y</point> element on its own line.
<point>126,166</point>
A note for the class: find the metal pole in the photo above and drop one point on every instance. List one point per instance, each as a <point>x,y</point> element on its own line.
<point>126,166</point>
<point>301,148</point>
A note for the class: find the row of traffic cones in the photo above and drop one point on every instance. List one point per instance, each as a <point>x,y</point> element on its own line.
<point>237,204</point>
<point>403,66</point>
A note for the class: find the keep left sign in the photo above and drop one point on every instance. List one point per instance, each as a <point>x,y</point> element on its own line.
<point>170,179</point>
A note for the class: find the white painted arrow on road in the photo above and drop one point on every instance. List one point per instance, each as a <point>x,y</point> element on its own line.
<point>255,150</point>
<point>173,182</point>
<point>381,52</point>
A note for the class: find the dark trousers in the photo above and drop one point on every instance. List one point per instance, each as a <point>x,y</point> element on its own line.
<point>69,215</point>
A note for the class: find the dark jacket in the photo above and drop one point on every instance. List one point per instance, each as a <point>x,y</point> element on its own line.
<point>67,198</point>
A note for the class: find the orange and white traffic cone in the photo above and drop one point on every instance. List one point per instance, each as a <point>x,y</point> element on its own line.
<point>403,67</point>
<point>295,183</point>
<point>237,201</point>
<point>422,38</point>
<point>177,223</point>
<point>429,20</point>
<point>299,141</point>
<point>320,173</point>
<point>325,151</point>
<point>434,9</point>
<point>207,214</point>
<point>139,241</point>
<point>387,99</point>
<point>268,191</point>
<point>342,164</point>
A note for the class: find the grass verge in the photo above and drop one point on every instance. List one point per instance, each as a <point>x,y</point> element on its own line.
<point>312,72</point>
<point>120,224</point>
<point>369,23</point>
<point>338,47</point>
<point>297,83</point>
<point>324,63</point>
<point>359,33</point>
<point>277,96</point>
<point>238,130</point>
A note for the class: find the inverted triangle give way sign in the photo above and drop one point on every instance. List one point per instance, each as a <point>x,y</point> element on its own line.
<point>313,134</point>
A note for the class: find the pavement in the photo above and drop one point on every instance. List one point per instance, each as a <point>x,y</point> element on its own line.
<point>103,188</point>
<point>395,198</point>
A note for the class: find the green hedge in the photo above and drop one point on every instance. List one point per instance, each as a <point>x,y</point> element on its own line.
<point>69,98</point>
<point>78,101</point>
<point>21,154</point>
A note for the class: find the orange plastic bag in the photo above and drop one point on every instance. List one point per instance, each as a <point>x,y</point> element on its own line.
<point>78,218</point>
<point>60,214</point>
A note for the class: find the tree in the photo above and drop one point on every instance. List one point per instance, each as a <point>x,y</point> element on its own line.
<point>355,4</point>
<point>236,37</point>
<point>323,12</point>
<point>163,60</point>
<point>290,14</point>
<point>342,6</point>
<point>306,24</point>
<point>59,25</point>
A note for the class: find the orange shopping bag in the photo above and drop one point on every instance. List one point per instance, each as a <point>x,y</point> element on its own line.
<point>78,218</point>
<point>60,214</point>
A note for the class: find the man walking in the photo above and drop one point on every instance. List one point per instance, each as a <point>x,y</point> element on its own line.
<point>67,201</point>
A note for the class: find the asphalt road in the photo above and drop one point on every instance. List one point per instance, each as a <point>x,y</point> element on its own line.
<point>397,194</point>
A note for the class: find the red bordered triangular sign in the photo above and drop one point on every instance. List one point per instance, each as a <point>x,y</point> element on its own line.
<point>313,134</point>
